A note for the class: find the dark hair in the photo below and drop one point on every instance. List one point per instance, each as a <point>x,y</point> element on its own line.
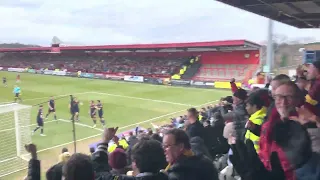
<point>148,156</point>
<point>282,78</point>
<point>92,150</point>
<point>255,88</point>
<point>208,122</point>
<point>265,96</point>
<point>193,111</point>
<point>78,167</point>
<point>64,150</point>
<point>143,137</point>
<point>217,116</point>
<point>156,137</point>
<point>180,136</point>
<point>255,99</point>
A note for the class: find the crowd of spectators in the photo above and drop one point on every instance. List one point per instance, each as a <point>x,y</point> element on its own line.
<point>251,135</point>
<point>98,63</point>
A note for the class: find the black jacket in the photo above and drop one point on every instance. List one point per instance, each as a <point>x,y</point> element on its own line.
<point>196,130</point>
<point>240,120</point>
<point>102,168</point>
<point>193,168</point>
<point>34,169</point>
<point>55,172</point>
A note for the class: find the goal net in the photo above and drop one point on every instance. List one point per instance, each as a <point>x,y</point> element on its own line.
<point>14,134</point>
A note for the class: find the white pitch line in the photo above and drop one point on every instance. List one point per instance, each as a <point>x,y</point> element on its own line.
<point>8,159</point>
<point>80,124</point>
<point>144,99</point>
<point>165,115</point>
<point>31,99</point>
<point>10,129</point>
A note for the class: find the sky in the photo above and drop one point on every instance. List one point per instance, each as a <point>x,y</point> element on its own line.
<point>98,22</point>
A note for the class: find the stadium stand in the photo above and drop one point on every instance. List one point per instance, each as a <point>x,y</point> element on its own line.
<point>207,67</point>
<point>186,60</point>
<point>226,65</point>
<point>95,62</point>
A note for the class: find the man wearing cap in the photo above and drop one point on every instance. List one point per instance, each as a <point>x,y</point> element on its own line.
<point>313,97</point>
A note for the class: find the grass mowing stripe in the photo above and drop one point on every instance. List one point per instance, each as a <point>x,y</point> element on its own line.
<point>144,99</point>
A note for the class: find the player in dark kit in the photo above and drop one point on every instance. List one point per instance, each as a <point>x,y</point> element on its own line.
<point>74,108</point>
<point>100,112</point>
<point>39,121</point>
<point>52,108</point>
<point>93,113</point>
<point>4,81</point>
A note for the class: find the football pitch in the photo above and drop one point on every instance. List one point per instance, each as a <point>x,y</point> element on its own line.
<point>126,105</point>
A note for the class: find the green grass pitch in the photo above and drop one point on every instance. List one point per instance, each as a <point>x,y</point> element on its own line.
<point>126,105</point>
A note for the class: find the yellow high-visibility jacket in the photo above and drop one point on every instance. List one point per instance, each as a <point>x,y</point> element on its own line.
<point>256,118</point>
<point>122,143</point>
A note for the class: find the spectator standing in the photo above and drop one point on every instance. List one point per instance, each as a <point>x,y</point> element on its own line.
<point>313,96</point>
<point>257,111</point>
<point>287,97</point>
<point>92,150</point>
<point>78,167</point>
<point>131,141</point>
<point>240,112</point>
<point>303,84</point>
<point>34,163</point>
<point>183,164</point>
<point>275,83</point>
<point>122,143</point>
<point>55,172</point>
<point>132,138</point>
<point>194,127</point>
<point>64,153</point>
<point>219,143</point>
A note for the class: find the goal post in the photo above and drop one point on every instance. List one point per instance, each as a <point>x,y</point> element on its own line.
<point>15,132</point>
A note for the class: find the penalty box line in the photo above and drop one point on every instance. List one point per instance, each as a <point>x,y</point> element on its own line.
<point>39,98</point>
<point>122,127</point>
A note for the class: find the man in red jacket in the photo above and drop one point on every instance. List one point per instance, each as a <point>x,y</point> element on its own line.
<point>287,96</point>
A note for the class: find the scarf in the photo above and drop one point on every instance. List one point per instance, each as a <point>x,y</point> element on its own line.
<point>187,153</point>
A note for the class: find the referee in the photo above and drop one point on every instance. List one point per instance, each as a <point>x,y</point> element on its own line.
<point>17,93</point>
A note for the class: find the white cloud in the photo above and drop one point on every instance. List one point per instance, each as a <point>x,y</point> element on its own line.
<point>139,21</point>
